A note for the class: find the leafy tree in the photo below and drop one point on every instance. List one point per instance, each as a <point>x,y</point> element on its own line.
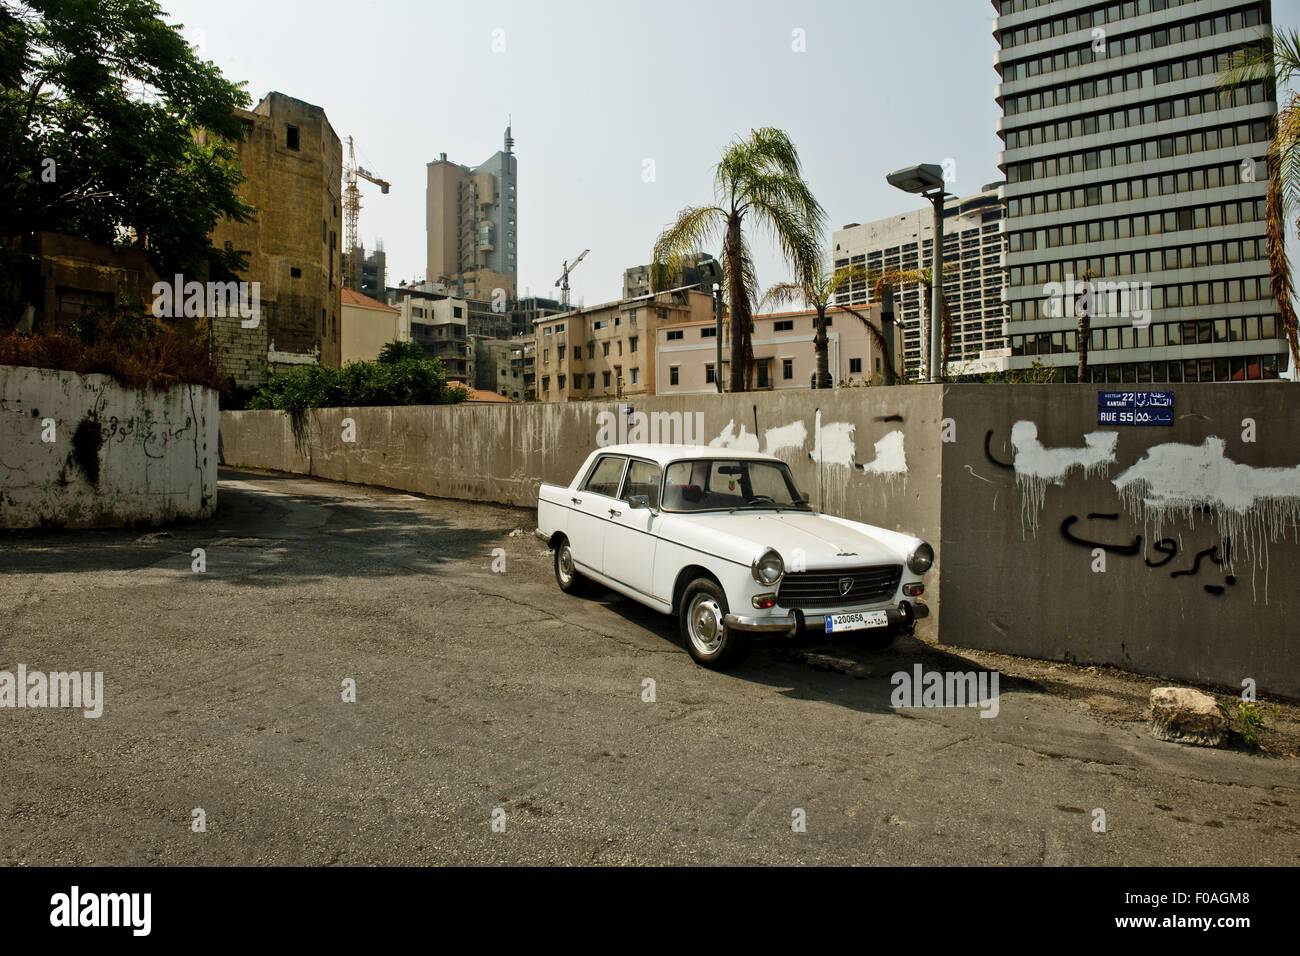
<point>401,351</point>
<point>758,180</point>
<point>99,107</point>
<point>405,381</point>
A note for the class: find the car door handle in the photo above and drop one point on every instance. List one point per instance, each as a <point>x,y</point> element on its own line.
<point>615,513</point>
<point>576,501</point>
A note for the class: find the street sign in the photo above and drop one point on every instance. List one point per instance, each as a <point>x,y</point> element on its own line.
<point>1135,408</point>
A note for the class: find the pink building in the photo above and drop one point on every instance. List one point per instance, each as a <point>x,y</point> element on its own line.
<point>686,352</point>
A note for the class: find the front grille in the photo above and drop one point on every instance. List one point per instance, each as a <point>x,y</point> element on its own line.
<point>822,589</point>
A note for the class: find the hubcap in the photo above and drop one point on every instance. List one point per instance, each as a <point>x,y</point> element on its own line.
<point>565,561</point>
<point>705,624</point>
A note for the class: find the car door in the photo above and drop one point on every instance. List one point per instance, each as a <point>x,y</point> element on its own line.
<point>592,503</point>
<point>629,537</point>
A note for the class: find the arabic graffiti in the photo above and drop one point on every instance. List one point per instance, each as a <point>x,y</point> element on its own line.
<point>153,435</point>
<point>1165,546</point>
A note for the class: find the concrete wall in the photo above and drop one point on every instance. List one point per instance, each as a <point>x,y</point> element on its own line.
<point>1015,574</point>
<point>501,453</point>
<point>82,451</point>
<point>1021,524</point>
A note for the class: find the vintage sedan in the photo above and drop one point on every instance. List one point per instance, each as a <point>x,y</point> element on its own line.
<point>724,540</point>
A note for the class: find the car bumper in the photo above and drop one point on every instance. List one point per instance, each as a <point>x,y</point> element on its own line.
<point>540,535</point>
<point>906,612</point>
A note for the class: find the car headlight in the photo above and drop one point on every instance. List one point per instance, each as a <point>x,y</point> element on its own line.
<point>768,568</point>
<point>921,559</point>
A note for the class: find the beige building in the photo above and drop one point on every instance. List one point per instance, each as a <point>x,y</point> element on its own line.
<point>784,352</point>
<point>292,161</point>
<point>608,351</point>
<point>366,326</point>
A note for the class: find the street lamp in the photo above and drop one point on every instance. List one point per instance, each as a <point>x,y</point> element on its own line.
<point>711,273</point>
<point>927,180</point>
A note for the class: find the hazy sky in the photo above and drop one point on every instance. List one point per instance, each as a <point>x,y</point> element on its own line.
<point>595,89</point>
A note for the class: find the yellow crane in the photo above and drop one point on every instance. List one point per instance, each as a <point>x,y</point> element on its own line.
<point>352,205</point>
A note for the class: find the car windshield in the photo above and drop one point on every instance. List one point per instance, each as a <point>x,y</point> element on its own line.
<point>725,484</point>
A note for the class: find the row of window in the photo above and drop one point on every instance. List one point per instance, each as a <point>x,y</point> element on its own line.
<point>1184,31</point>
<point>1125,190</point>
<point>1171,71</point>
<point>575,351</point>
<point>1135,227</point>
<point>1219,137</point>
<point>1251,328</point>
<point>1096,16</point>
<point>1141,263</point>
<point>1106,121</point>
<point>1185,296</point>
<point>1252,368</point>
<point>562,380</point>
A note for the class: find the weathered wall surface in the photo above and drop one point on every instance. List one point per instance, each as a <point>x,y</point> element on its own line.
<point>868,454</point>
<point>1193,524</point>
<point>82,451</point>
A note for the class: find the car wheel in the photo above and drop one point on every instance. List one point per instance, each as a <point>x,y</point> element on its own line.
<point>701,616</point>
<point>567,576</point>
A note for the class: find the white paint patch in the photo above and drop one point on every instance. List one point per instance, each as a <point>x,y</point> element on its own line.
<point>785,438</point>
<point>833,443</point>
<point>891,459</point>
<point>729,439</point>
<point>1037,466</point>
<point>1253,506</point>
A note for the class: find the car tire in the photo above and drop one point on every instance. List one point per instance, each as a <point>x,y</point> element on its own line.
<point>568,577</point>
<point>701,616</point>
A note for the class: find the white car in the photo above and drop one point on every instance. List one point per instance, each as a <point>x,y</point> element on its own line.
<point>724,540</point>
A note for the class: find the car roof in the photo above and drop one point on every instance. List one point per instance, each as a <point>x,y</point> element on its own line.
<point>663,454</point>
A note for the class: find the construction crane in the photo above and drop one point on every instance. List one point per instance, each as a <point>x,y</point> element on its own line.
<point>352,205</point>
<point>562,283</point>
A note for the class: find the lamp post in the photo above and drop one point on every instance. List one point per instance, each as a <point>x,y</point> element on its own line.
<point>927,180</point>
<point>710,271</point>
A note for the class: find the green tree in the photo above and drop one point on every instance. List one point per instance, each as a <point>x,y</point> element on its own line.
<point>99,108</point>
<point>759,180</point>
<point>1276,63</point>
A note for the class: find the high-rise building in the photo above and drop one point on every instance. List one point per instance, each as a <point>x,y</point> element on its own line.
<point>367,272</point>
<point>1132,183</point>
<point>471,225</point>
<point>972,276</point>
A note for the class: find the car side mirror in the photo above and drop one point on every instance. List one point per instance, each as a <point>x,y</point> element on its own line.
<point>638,501</point>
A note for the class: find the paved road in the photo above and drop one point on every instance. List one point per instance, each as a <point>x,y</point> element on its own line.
<point>479,691</point>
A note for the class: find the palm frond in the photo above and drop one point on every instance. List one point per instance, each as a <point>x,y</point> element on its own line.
<point>686,234</point>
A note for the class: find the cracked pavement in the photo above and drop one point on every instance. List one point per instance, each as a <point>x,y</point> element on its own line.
<point>478,691</point>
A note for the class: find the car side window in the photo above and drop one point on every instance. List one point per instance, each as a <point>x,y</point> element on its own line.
<point>604,478</point>
<point>642,479</point>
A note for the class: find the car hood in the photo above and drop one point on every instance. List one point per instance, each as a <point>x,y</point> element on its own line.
<point>824,541</point>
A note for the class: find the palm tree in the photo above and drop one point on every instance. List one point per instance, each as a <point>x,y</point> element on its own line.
<point>816,289</point>
<point>1277,61</point>
<point>758,179</point>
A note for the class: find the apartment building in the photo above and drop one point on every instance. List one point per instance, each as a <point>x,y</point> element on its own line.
<point>784,352</point>
<point>608,351</point>
<point>973,276</point>
<point>471,225</point>
<point>523,369</point>
<point>366,325</point>
<point>367,271</point>
<point>440,324</point>
<point>1125,167</point>
<point>492,371</point>
<point>636,280</point>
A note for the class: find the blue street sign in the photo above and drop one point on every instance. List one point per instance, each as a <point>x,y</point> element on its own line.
<point>1135,408</point>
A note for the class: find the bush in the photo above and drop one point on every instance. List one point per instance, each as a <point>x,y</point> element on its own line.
<point>396,379</point>
<point>132,347</point>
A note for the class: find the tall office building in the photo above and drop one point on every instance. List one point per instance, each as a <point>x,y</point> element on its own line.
<point>972,276</point>
<point>1124,167</point>
<point>471,225</point>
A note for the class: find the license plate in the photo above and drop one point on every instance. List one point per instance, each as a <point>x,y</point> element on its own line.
<point>861,621</point>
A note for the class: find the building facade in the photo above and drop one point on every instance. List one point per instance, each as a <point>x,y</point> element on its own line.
<point>608,351</point>
<point>441,326</point>
<point>636,280</point>
<point>367,271</point>
<point>1135,192</point>
<point>471,225</point>
<point>366,325</point>
<point>784,352</point>
<point>972,275</point>
<point>292,161</point>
